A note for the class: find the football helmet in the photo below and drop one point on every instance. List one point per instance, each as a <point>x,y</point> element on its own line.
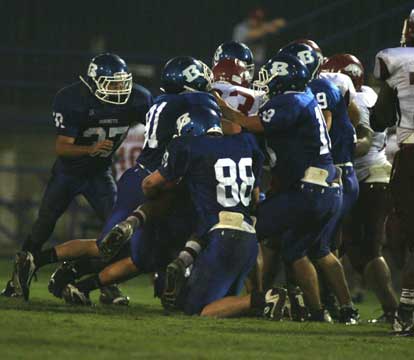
<point>232,71</point>
<point>199,120</point>
<point>407,35</point>
<point>108,79</point>
<point>185,73</point>
<point>306,54</point>
<point>347,64</point>
<point>312,44</point>
<point>282,73</point>
<point>235,50</point>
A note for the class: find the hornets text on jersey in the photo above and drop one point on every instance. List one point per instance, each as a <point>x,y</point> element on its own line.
<point>79,114</point>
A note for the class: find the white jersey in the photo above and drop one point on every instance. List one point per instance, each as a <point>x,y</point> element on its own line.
<point>365,100</point>
<point>129,150</point>
<point>246,100</point>
<point>343,82</point>
<point>400,66</point>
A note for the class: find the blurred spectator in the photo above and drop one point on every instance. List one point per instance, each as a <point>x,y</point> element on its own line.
<point>253,30</point>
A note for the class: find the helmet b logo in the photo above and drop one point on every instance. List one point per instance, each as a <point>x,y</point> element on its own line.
<point>191,73</point>
<point>279,68</point>
<point>306,57</point>
<point>182,121</point>
<point>92,70</point>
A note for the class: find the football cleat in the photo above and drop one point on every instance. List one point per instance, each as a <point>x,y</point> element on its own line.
<point>320,316</point>
<point>385,318</point>
<point>348,315</point>
<point>63,275</point>
<point>330,304</point>
<point>112,295</point>
<point>174,282</point>
<point>9,290</point>
<point>297,309</point>
<point>72,295</point>
<point>112,242</point>
<point>24,269</point>
<point>275,299</point>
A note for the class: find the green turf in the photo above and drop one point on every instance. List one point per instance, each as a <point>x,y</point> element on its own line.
<point>45,328</point>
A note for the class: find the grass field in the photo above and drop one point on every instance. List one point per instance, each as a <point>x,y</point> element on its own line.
<point>46,328</point>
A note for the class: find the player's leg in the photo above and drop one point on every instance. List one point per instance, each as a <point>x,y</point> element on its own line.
<point>220,269</point>
<point>403,194</point>
<point>374,206</point>
<point>60,191</point>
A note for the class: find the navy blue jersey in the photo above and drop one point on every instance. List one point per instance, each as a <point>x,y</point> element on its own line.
<point>296,136</point>
<point>342,132</point>
<point>220,172</point>
<point>79,114</point>
<point>161,123</point>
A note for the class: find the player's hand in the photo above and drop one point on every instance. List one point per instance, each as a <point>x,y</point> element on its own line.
<point>101,147</point>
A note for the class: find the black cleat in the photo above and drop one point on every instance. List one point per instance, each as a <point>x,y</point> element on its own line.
<point>113,242</point>
<point>348,315</point>
<point>385,318</point>
<point>174,282</point>
<point>72,295</point>
<point>65,274</point>
<point>24,269</point>
<point>112,295</point>
<point>275,299</point>
<point>298,310</point>
<point>9,290</point>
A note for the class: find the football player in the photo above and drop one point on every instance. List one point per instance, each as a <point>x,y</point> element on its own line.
<point>235,50</point>
<point>222,175</point>
<point>306,195</point>
<point>184,80</point>
<point>395,68</point>
<point>373,171</point>
<point>343,138</point>
<point>92,117</point>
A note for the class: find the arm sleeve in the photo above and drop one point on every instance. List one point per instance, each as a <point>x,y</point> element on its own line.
<point>258,160</point>
<point>382,67</point>
<point>66,120</point>
<point>176,159</point>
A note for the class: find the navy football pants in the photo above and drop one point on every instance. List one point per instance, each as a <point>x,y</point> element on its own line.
<point>220,269</point>
<point>99,190</point>
<point>297,218</point>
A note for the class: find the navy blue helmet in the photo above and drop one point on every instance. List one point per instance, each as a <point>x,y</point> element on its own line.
<point>185,73</point>
<point>282,73</point>
<point>235,50</point>
<point>305,54</point>
<point>108,79</point>
<point>199,120</point>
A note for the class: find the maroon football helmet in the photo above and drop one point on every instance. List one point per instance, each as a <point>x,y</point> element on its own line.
<point>407,36</point>
<point>232,71</point>
<point>347,64</point>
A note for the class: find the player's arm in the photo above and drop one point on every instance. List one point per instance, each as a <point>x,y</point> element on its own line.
<point>384,114</point>
<point>328,118</point>
<point>353,113</point>
<point>65,146</point>
<point>229,127</point>
<point>250,123</point>
<point>364,140</point>
<point>153,184</point>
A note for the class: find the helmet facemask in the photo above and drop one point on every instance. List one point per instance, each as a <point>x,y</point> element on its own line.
<point>265,77</point>
<point>114,89</point>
